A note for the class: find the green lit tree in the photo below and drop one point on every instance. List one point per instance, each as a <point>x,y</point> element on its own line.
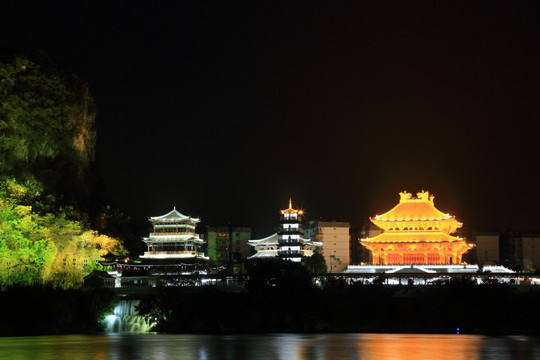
<point>24,252</point>
<point>47,139</point>
<point>45,113</point>
<point>45,249</point>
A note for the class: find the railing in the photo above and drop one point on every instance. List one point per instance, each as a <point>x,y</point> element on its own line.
<point>291,242</point>
<point>289,253</point>
<point>291,230</point>
<point>190,252</point>
<point>173,233</point>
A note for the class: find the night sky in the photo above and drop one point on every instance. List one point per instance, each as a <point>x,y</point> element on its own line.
<point>227,109</point>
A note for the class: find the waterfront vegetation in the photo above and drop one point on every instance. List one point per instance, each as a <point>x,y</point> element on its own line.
<point>44,310</point>
<point>286,304</point>
<point>53,230</point>
<point>39,248</point>
<point>297,308</point>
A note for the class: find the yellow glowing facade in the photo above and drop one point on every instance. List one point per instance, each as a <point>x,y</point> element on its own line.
<point>415,232</point>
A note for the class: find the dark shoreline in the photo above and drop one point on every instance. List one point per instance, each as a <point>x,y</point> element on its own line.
<point>433,309</point>
<point>493,310</point>
<point>42,310</point>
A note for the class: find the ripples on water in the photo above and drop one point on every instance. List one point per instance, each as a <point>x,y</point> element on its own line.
<point>278,346</point>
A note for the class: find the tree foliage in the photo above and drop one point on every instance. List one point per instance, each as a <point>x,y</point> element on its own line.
<point>45,113</point>
<point>316,264</point>
<point>48,199</point>
<point>45,248</point>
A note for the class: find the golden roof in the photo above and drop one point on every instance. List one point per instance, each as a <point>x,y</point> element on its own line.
<point>420,208</point>
<point>290,210</point>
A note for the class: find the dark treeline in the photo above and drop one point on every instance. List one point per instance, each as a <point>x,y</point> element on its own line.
<point>474,309</point>
<point>42,310</point>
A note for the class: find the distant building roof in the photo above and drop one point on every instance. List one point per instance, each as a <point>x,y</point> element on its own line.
<point>274,240</point>
<point>269,240</point>
<point>99,274</point>
<point>172,216</point>
<point>334,224</point>
<point>485,233</point>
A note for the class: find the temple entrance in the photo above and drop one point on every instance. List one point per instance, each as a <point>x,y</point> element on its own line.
<point>394,259</point>
<point>433,258</point>
<point>413,259</point>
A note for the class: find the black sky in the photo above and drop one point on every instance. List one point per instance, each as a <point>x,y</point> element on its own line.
<point>228,108</point>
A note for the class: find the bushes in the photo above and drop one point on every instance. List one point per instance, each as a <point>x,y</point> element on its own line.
<point>485,309</point>
<point>48,311</point>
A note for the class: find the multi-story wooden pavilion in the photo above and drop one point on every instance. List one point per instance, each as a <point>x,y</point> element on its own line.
<point>174,237</point>
<point>415,232</point>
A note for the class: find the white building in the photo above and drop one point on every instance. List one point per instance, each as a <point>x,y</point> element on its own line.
<point>527,251</point>
<point>336,242</point>
<point>487,248</point>
<point>174,237</point>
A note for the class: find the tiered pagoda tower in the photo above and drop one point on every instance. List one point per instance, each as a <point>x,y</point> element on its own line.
<point>287,243</point>
<point>290,243</point>
<point>174,237</point>
<point>415,232</point>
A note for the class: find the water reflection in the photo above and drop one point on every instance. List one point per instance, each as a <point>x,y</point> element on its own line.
<point>278,346</point>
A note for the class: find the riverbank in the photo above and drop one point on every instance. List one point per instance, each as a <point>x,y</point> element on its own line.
<point>473,309</point>
<point>43,310</point>
<point>284,308</point>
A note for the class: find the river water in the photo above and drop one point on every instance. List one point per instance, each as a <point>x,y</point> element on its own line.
<point>277,346</point>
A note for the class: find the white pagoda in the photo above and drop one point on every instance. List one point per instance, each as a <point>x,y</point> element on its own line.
<point>174,237</point>
<point>287,243</point>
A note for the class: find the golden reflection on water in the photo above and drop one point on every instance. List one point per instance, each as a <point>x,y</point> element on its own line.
<point>385,346</point>
<point>413,347</point>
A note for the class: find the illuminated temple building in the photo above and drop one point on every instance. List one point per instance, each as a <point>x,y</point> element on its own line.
<point>287,243</point>
<point>415,232</point>
<point>174,237</point>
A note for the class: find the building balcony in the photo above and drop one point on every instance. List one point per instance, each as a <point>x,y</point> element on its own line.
<point>190,233</point>
<point>291,231</point>
<point>171,249</point>
<point>290,253</point>
<point>289,221</point>
<point>172,254</point>
<point>291,242</point>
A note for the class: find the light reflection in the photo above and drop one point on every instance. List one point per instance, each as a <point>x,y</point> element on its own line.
<point>405,347</point>
<point>277,346</point>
